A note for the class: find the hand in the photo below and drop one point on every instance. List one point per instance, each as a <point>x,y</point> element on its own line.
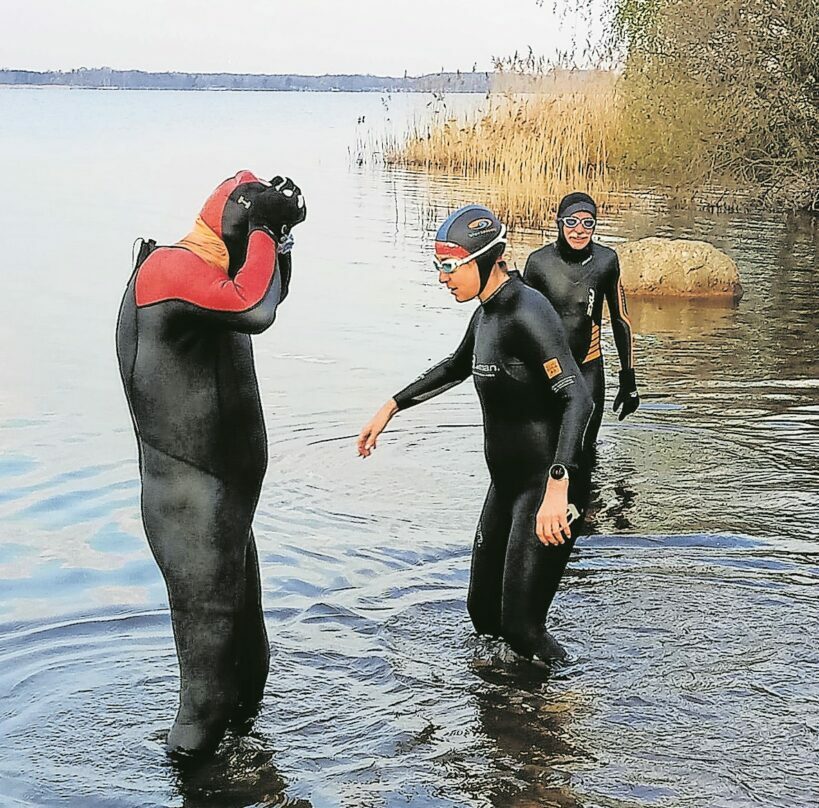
<point>551,525</point>
<point>627,395</point>
<point>369,435</point>
<point>278,208</point>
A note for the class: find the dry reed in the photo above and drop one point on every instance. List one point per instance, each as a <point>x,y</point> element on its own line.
<point>527,151</point>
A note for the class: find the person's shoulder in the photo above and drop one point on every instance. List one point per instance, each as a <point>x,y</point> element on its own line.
<point>539,264</point>
<point>605,255</point>
<point>533,306</point>
<point>541,254</point>
<point>168,273</point>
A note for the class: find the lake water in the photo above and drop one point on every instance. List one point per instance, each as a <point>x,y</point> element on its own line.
<point>691,614</point>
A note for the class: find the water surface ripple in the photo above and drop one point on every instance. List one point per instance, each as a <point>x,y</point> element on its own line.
<point>690,613</point>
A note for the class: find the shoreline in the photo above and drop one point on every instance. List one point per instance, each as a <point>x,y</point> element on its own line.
<point>363,91</point>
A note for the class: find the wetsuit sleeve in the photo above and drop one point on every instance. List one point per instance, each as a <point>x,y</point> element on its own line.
<point>443,376</point>
<point>543,342</point>
<point>620,323</point>
<point>247,302</point>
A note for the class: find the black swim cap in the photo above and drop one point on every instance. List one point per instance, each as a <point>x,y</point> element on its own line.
<point>469,230</point>
<point>574,203</point>
<point>569,205</point>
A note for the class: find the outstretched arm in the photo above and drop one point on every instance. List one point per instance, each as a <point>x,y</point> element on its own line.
<point>438,379</point>
<point>443,376</point>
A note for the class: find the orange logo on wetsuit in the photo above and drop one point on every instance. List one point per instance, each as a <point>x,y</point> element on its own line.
<point>552,368</point>
<point>594,345</point>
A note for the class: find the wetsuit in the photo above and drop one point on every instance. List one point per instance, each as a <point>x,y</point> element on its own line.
<point>536,410</point>
<point>576,283</point>
<point>186,361</point>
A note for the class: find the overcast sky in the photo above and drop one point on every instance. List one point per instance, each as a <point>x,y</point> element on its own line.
<point>270,36</point>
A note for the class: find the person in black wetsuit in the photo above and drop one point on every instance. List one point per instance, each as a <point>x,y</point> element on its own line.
<point>576,275</point>
<point>536,410</point>
<point>186,361</point>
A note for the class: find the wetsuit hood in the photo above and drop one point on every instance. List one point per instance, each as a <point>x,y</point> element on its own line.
<point>468,230</point>
<point>226,214</point>
<point>569,205</point>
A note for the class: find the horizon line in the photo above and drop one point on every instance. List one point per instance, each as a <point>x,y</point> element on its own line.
<point>406,75</point>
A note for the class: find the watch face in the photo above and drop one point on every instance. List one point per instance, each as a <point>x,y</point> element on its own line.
<point>557,471</point>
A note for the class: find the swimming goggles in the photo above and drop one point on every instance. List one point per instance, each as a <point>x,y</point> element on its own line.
<point>573,221</point>
<point>449,265</point>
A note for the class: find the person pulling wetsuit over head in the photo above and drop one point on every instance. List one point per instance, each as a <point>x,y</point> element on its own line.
<point>186,362</point>
<point>536,409</point>
<point>576,274</point>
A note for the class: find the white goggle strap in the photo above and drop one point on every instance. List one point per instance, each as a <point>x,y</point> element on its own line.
<point>500,238</point>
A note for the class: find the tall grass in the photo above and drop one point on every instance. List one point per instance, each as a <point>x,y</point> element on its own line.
<point>527,151</point>
<point>727,98</point>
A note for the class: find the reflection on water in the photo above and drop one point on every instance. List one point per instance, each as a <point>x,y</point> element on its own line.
<point>689,614</point>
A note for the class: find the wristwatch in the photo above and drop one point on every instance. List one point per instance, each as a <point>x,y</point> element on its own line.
<point>559,472</point>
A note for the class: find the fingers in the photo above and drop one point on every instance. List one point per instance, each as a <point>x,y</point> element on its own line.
<point>630,406</point>
<point>288,188</point>
<point>541,532</point>
<point>368,440</point>
<point>363,439</point>
<point>565,531</point>
<point>550,531</point>
<point>557,531</point>
<point>284,185</point>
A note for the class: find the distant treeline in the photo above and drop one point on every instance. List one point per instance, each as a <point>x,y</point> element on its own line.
<point>106,78</point>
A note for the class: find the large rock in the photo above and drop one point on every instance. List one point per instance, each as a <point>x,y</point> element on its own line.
<point>663,267</point>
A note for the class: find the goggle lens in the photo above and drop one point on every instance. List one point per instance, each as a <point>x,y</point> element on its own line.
<point>573,221</point>
<point>448,265</point>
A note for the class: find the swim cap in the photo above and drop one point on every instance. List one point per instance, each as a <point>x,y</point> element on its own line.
<point>226,213</point>
<point>569,205</point>
<point>468,231</point>
<point>574,203</point>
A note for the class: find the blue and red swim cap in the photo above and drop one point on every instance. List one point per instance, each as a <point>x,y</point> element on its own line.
<point>472,230</point>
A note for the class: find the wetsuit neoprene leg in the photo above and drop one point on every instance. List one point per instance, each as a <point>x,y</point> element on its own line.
<point>514,577</point>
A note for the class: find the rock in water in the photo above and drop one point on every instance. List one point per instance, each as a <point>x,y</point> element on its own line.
<point>663,267</point>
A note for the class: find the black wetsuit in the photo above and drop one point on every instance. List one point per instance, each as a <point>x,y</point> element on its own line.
<point>576,283</point>
<point>536,409</point>
<point>186,360</point>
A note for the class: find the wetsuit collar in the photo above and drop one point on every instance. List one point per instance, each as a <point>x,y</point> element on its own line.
<point>569,254</point>
<point>204,242</point>
<point>502,292</point>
